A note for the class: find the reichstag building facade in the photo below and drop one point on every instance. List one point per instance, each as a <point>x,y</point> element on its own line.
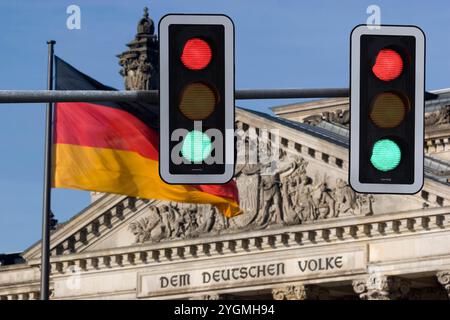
<point>304,234</point>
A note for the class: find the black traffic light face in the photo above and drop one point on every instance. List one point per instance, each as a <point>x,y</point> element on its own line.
<point>387,109</point>
<point>196,99</point>
<point>387,89</point>
<point>196,90</point>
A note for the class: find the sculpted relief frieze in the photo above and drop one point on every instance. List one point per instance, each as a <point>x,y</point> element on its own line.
<point>290,196</point>
<point>339,116</point>
<point>439,117</point>
<point>269,197</point>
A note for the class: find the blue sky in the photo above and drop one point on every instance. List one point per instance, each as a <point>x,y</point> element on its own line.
<point>279,44</point>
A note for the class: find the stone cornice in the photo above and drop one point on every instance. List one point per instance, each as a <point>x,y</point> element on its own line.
<point>21,292</point>
<point>436,192</point>
<point>438,131</point>
<point>436,121</point>
<point>307,140</point>
<point>344,230</point>
<point>302,110</point>
<point>437,139</point>
<point>14,267</point>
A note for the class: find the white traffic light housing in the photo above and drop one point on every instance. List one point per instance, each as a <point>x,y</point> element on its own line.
<point>196,99</point>
<point>387,87</point>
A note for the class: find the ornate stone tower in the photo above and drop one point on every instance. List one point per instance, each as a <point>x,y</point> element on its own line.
<point>140,63</point>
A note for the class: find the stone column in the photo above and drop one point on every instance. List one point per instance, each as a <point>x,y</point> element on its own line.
<point>300,292</point>
<point>381,287</point>
<point>444,279</point>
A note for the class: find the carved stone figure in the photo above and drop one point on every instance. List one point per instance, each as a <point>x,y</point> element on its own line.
<point>381,287</point>
<point>306,204</point>
<point>221,222</point>
<point>345,196</point>
<point>338,116</point>
<point>168,220</point>
<point>140,62</point>
<point>297,292</point>
<point>271,197</point>
<point>248,181</point>
<point>300,292</point>
<point>206,218</point>
<point>142,71</point>
<point>441,116</point>
<point>180,224</point>
<point>325,203</point>
<point>349,202</point>
<point>149,228</point>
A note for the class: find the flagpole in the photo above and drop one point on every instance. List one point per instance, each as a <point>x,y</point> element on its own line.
<point>45,243</point>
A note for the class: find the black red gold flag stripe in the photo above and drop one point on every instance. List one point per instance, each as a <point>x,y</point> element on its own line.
<point>113,148</point>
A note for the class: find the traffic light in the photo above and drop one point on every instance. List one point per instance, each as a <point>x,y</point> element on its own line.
<point>196,99</point>
<point>387,87</point>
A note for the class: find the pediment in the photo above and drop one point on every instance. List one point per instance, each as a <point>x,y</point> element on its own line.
<point>91,225</point>
<point>307,185</point>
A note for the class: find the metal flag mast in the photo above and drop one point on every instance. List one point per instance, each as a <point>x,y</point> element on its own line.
<point>46,205</point>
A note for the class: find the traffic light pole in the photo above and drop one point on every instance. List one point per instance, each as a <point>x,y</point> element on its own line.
<point>39,96</point>
<point>250,94</point>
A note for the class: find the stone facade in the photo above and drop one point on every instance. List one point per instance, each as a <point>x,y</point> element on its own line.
<point>304,233</point>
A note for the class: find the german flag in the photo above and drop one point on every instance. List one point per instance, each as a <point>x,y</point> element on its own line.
<point>113,148</point>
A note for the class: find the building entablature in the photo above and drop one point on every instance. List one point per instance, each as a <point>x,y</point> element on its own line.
<point>346,249</point>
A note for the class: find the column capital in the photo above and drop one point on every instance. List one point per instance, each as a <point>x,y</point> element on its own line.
<point>443,278</point>
<point>381,287</point>
<point>300,292</point>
